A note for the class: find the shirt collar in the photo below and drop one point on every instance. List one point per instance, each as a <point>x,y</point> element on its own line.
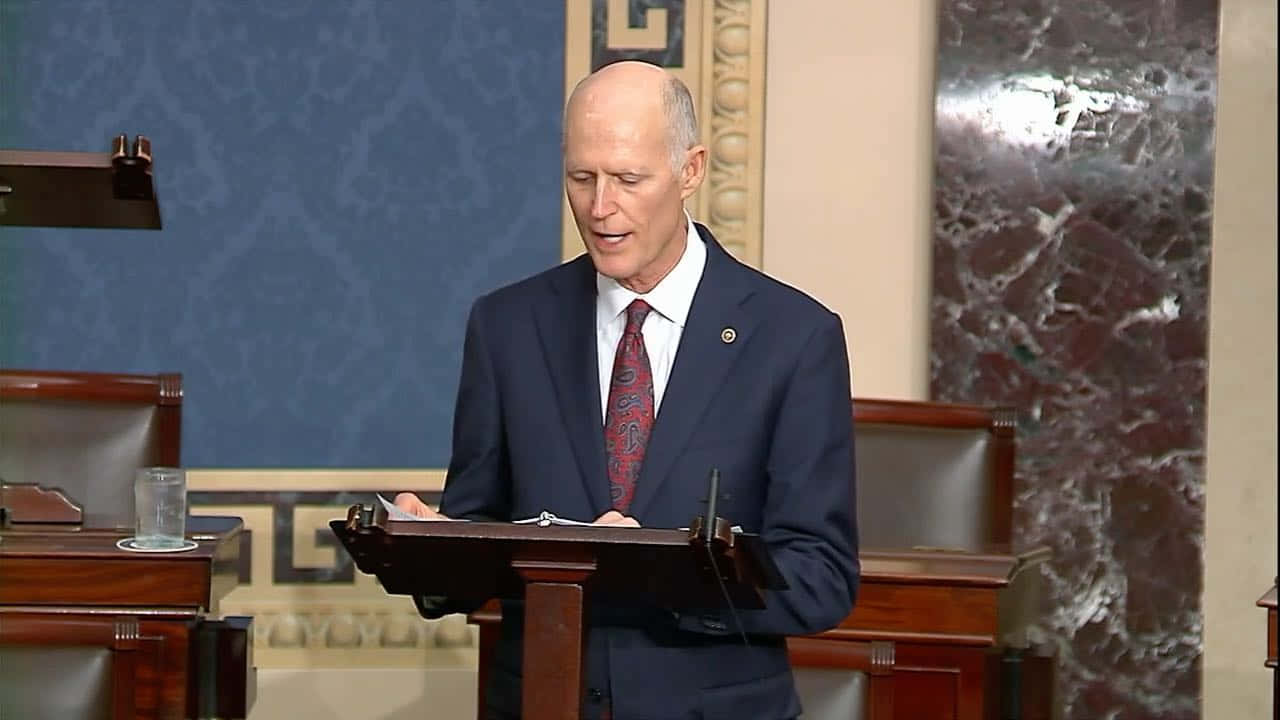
<point>672,296</point>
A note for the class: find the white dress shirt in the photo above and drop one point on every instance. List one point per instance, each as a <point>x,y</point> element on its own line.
<point>670,300</point>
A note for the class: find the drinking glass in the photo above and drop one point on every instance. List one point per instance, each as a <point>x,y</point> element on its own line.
<point>160,503</point>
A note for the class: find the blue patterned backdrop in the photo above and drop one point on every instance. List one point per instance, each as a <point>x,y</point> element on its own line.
<point>338,182</point>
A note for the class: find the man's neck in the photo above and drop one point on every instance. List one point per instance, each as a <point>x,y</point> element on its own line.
<point>677,247</point>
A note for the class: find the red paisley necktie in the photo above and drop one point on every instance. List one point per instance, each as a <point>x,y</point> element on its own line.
<point>629,417</point>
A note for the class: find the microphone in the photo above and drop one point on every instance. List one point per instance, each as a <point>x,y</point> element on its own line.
<point>713,494</point>
<point>709,535</point>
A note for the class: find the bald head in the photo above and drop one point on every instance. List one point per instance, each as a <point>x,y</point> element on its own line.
<point>637,90</point>
<point>631,160</point>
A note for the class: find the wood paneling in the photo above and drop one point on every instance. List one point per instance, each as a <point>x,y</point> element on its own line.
<point>64,585</point>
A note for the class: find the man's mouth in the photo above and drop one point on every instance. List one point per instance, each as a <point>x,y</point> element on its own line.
<point>611,238</point>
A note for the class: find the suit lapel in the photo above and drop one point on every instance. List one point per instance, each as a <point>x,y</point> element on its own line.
<point>705,355</point>
<point>566,328</point>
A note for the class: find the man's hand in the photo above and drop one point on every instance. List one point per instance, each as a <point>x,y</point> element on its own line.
<point>413,505</point>
<point>613,517</point>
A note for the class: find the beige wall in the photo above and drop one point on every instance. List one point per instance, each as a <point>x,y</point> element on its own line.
<point>848,165</point>
<point>847,203</point>
<point>381,694</point>
<point>1240,523</point>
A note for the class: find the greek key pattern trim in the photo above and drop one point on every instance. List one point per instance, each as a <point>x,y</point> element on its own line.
<point>311,607</point>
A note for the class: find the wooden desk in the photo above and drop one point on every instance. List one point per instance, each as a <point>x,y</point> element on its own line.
<point>1268,601</point>
<point>948,615</point>
<point>60,582</point>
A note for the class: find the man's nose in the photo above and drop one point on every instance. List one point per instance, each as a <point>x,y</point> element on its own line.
<point>603,203</point>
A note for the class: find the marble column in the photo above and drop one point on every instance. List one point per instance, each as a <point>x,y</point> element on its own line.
<point>1073,191</point>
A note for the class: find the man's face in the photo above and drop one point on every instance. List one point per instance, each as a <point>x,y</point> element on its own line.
<point>626,200</point>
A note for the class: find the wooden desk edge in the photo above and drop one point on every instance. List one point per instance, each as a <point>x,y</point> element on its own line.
<point>951,566</point>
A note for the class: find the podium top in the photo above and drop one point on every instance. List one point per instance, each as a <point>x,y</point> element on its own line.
<point>79,189</point>
<point>477,561</point>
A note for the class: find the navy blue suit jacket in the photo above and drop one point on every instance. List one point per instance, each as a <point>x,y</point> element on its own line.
<point>771,410</point>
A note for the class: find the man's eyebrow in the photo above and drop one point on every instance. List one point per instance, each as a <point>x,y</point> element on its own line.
<point>575,170</point>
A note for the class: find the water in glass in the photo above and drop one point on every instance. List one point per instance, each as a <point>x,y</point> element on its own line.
<point>160,504</point>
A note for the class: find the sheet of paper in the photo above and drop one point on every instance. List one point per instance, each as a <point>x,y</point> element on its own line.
<point>395,513</point>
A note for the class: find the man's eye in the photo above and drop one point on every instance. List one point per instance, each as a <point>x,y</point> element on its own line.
<point>629,179</point>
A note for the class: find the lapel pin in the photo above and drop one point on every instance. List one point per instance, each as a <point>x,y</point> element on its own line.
<point>728,335</point>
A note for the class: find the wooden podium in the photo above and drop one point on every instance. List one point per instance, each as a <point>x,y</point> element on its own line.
<point>948,620</point>
<point>555,569</point>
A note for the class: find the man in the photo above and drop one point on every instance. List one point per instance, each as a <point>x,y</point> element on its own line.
<point>610,386</point>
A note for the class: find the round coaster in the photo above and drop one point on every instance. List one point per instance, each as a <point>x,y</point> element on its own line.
<point>131,544</point>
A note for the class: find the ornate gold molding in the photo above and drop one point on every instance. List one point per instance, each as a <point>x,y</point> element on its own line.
<point>723,63</point>
<point>734,92</point>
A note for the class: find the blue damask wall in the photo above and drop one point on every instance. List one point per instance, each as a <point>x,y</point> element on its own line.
<point>338,182</point>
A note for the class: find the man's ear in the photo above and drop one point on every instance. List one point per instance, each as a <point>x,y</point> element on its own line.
<point>694,171</point>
